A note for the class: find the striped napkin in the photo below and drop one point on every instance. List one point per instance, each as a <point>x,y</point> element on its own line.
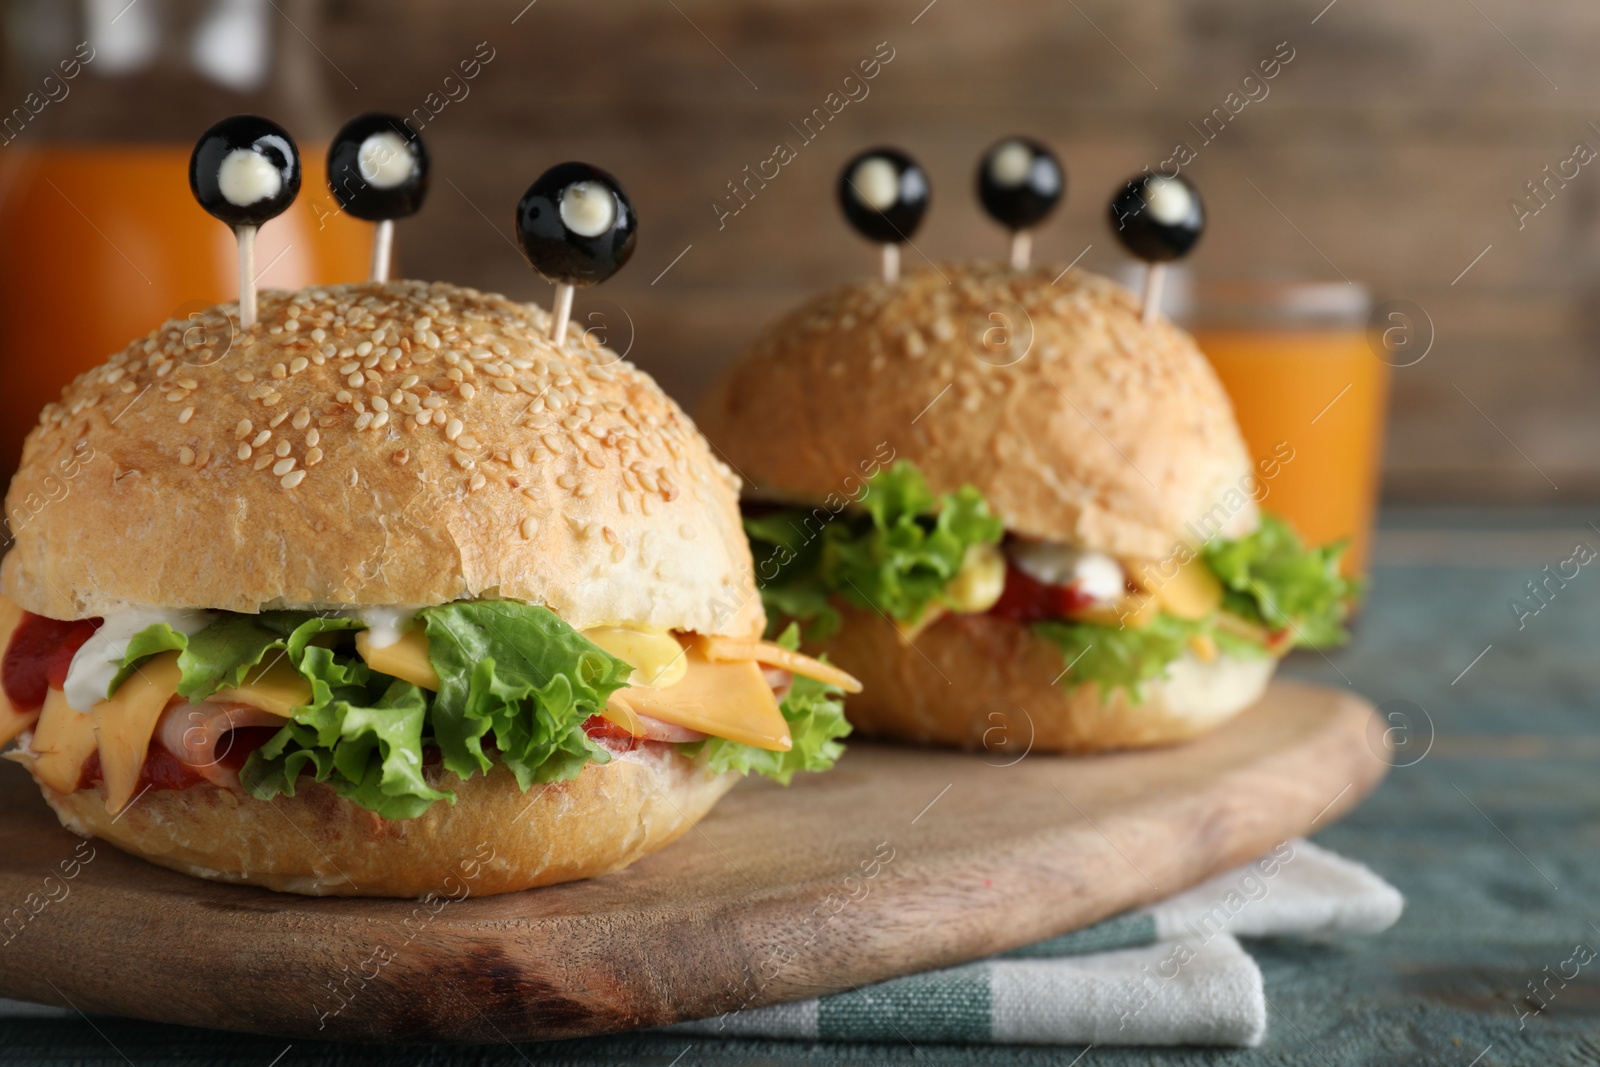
<point>1172,973</point>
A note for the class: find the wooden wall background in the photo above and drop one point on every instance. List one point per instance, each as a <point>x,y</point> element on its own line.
<point>1392,144</point>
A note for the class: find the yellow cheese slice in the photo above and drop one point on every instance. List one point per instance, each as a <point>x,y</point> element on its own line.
<point>125,722</point>
<point>274,687</point>
<point>1194,593</point>
<point>62,741</point>
<point>730,700</point>
<point>774,655</point>
<point>656,657</point>
<point>12,721</point>
<point>406,659</point>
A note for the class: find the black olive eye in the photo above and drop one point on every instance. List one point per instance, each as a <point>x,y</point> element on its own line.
<point>884,195</point>
<point>576,225</point>
<point>1020,182</point>
<point>245,170</point>
<point>378,168</point>
<point>1158,218</point>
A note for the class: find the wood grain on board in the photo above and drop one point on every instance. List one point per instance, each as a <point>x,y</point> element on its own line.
<point>897,861</point>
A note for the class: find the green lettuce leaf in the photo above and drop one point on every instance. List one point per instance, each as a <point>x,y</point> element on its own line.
<point>815,713</point>
<point>1119,657</point>
<point>1272,578</point>
<point>516,674</point>
<point>371,754</point>
<point>896,555</point>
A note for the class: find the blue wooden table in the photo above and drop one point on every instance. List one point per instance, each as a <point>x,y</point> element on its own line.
<point>1489,823</point>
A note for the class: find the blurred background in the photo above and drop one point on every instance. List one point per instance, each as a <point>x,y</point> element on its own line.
<point>1391,148</point>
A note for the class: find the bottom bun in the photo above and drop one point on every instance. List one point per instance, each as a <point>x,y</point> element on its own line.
<point>975,681</point>
<point>493,839</point>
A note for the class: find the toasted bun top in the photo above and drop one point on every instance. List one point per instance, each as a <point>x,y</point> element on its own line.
<point>399,444</point>
<point>1077,421</point>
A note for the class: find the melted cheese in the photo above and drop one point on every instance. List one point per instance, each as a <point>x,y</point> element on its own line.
<point>61,742</point>
<point>12,721</point>
<point>656,657</point>
<point>406,658</point>
<point>1193,593</point>
<point>726,699</point>
<point>125,721</point>
<point>274,687</point>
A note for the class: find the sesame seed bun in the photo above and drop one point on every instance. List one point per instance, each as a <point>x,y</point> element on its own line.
<point>1106,433</point>
<point>1078,422</point>
<point>493,839</point>
<point>290,466</point>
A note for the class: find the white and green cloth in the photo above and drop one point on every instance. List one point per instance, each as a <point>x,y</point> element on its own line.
<point>1172,973</point>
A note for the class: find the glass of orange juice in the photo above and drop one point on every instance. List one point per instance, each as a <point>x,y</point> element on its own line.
<point>1294,356</point>
<point>102,238</point>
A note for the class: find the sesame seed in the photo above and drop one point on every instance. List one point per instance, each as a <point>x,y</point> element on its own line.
<point>280,371</point>
<point>277,420</point>
<point>467,390</point>
<point>504,385</point>
<point>530,526</point>
<point>313,436</point>
<point>292,479</point>
<point>586,489</point>
<point>618,553</point>
<point>478,482</point>
<point>342,396</point>
<point>452,429</point>
<point>262,438</point>
<point>567,481</point>
<point>353,478</point>
<point>364,420</point>
<point>433,402</point>
<point>594,459</point>
<point>186,414</point>
<point>177,394</point>
<point>356,380</point>
<point>380,420</point>
<point>298,364</point>
<point>186,455</point>
<point>363,349</point>
<point>263,461</point>
<point>302,419</point>
<point>188,383</point>
<point>379,404</point>
<point>283,466</point>
<point>244,450</point>
<point>282,449</point>
<point>313,456</point>
<point>409,381</point>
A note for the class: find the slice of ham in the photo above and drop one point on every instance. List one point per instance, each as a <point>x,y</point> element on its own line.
<point>656,730</point>
<point>192,733</point>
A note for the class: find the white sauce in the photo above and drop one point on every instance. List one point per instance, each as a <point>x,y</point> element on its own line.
<point>1010,164</point>
<point>246,177</point>
<point>385,625</point>
<point>1095,574</point>
<point>876,183</point>
<point>385,160</point>
<point>97,662</point>
<point>1169,200</point>
<point>588,209</point>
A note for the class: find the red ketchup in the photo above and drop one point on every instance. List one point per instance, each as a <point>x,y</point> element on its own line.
<point>38,656</point>
<point>1026,599</point>
<point>608,735</point>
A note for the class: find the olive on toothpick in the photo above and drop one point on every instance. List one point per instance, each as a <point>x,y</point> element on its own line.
<point>577,227</point>
<point>1158,219</point>
<point>1020,182</point>
<point>378,171</point>
<point>245,170</point>
<point>884,194</point>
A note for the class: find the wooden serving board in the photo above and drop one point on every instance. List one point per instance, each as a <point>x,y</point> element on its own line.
<point>896,861</point>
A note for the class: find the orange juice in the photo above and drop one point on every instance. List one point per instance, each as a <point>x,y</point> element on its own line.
<point>103,244</point>
<point>1323,392</point>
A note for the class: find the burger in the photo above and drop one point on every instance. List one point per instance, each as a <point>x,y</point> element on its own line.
<point>384,591</point>
<point>1017,512</point>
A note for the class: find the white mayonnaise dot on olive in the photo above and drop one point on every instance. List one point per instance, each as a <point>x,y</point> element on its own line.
<point>1169,201</point>
<point>588,209</point>
<point>385,160</point>
<point>246,177</point>
<point>876,183</point>
<point>1010,163</point>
